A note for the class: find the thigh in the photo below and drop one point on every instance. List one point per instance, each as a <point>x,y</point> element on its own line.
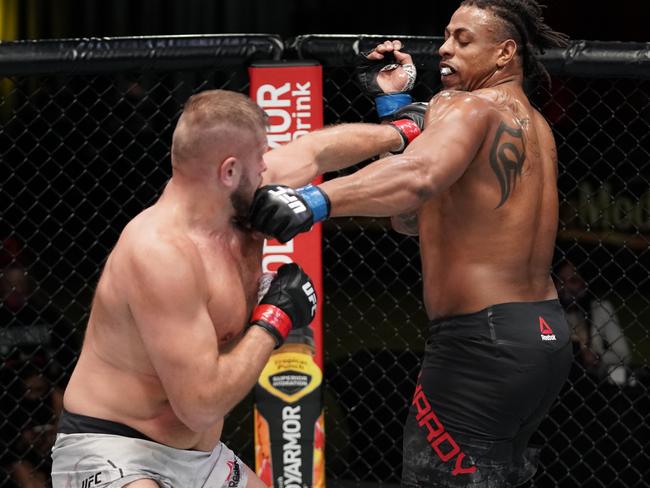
<point>432,455</point>
<point>143,484</point>
<point>253,479</point>
<point>436,458</point>
<point>481,389</point>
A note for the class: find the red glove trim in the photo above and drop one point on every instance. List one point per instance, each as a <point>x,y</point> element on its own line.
<point>274,316</point>
<point>409,128</point>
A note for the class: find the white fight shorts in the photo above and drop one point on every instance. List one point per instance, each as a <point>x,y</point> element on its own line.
<point>112,461</point>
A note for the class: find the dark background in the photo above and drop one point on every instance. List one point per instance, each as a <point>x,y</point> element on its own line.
<point>74,178</point>
<point>38,19</point>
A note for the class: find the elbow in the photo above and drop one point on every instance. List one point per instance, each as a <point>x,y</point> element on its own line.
<point>195,424</point>
<point>197,413</point>
<point>424,191</point>
<point>422,185</point>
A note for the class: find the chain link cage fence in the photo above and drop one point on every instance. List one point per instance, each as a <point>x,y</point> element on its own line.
<point>86,129</point>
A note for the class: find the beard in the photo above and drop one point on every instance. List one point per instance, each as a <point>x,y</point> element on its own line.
<point>241,200</point>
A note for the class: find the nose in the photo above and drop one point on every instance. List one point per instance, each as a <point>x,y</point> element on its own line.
<point>445,50</point>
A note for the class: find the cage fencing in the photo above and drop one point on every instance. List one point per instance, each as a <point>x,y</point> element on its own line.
<point>86,130</point>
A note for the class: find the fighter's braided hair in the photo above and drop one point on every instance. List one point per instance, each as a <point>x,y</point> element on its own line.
<point>523,22</point>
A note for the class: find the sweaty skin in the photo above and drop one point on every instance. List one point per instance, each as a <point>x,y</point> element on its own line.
<point>171,304</point>
<point>481,179</point>
<point>489,238</point>
<point>166,349</point>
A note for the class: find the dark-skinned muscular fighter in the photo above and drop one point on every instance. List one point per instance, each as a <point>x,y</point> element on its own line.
<point>481,179</point>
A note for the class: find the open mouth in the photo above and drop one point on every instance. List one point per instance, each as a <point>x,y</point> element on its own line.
<point>446,70</point>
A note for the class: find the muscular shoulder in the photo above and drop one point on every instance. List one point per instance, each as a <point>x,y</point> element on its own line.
<point>461,100</point>
<point>151,251</point>
<point>450,104</point>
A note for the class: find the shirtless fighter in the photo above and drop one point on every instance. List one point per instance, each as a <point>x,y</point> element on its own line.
<point>177,335</point>
<point>481,179</point>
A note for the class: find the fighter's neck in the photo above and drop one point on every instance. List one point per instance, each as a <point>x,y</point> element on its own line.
<point>198,207</point>
<point>510,89</point>
<point>504,80</point>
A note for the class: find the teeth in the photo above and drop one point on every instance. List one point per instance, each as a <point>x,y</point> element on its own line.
<point>444,71</point>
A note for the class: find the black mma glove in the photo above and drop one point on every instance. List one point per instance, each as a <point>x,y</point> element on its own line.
<point>409,122</point>
<point>290,303</point>
<point>283,212</point>
<point>367,71</point>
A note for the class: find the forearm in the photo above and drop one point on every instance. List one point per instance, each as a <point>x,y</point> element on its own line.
<point>234,374</point>
<point>391,186</point>
<point>329,149</point>
<point>288,303</point>
<point>239,368</point>
<point>341,146</point>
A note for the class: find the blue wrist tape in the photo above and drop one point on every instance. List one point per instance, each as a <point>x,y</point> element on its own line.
<point>317,201</point>
<point>388,104</point>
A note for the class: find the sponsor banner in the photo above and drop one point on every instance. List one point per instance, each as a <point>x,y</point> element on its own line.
<point>292,97</point>
<point>289,438</point>
<point>289,430</point>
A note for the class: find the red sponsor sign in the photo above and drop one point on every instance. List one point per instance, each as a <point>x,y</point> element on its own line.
<point>291,94</point>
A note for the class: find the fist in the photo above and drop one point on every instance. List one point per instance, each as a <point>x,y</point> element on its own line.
<point>290,303</point>
<point>282,212</point>
<point>409,122</point>
<point>413,111</point>
<point>293,291</point>
<point>386,69</point>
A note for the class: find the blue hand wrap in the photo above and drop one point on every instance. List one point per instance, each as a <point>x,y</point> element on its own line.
<point>388,104</point>
<point>317,201</point>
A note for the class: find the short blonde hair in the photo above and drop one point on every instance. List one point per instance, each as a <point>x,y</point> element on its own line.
<point>208,110</point>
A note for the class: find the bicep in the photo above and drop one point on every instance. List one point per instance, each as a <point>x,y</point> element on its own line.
<point>450,142</point>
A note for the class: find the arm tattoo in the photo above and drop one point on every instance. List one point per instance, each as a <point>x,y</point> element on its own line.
<point>506,159</point>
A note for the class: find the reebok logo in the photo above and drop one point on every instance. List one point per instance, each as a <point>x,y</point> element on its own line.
<point>291,200</point>
<point>546,333</point>
<point>234,476</point>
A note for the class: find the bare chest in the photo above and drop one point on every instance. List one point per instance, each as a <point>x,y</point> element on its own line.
<point>233,273</point>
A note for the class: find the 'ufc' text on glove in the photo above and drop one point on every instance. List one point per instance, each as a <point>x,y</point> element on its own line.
<point>283,212</point>
<point>290,303</point>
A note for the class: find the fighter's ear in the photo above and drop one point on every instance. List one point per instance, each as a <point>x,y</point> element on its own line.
<point>229,172</point>
<point>507,51</point>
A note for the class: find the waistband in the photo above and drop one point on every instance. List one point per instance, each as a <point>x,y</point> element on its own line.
<point>502,315</point>
<point>484,313</point>
<point>74,423</point>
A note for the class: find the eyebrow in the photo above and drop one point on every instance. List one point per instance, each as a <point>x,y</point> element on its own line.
<point>457,31</point>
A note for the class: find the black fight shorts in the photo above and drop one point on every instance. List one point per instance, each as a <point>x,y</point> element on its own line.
<point>487,381</point>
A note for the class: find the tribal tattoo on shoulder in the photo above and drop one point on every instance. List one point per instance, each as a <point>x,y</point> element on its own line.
<point>507,156</point>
